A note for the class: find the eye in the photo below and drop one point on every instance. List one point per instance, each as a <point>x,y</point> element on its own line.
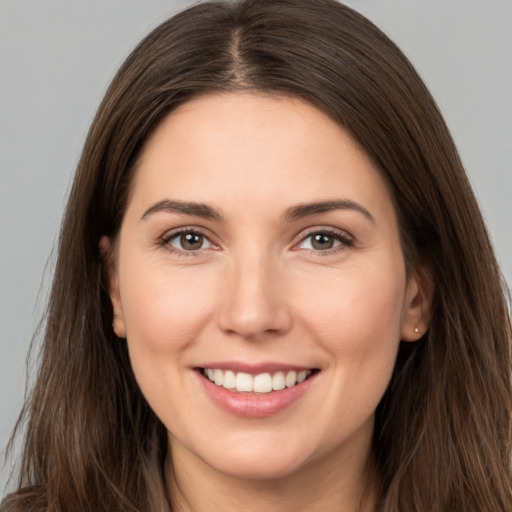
<point>324,241</point>
<point>187,241</point>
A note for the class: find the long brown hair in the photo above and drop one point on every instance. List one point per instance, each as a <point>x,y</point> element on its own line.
<point>443,430</point>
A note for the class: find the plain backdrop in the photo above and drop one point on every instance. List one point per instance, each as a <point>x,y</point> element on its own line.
<point>58,56</point>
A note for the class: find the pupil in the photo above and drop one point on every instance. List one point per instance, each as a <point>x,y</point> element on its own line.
<point>191,241</point>
<point>322,241</point>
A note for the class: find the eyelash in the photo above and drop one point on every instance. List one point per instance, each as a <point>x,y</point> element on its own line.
<point>165,241</point>
<point>345,241</point>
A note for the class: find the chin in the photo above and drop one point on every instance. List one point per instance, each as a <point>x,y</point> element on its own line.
<point>253,455</point>
<point>259,467</point>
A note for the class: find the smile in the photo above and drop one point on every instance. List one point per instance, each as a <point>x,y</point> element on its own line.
<point>262,383</point>
<point>255,390</point>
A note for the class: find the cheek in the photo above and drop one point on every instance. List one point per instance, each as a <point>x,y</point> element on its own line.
<point>165,312</point>
<point>355,315</point>
<point>362,301</point>
<point>164,309</point>
<point>357,322</point>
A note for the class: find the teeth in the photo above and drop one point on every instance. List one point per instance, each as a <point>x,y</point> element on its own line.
<point>261,383</point>
<point>243,382</point>
<point>218,377</point>
<point>278,381</point>
<point>291,379</point>
<point>229,380</point>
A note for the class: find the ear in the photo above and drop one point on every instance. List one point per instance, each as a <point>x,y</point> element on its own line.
<point>417,305</point>
<point>107,256</point>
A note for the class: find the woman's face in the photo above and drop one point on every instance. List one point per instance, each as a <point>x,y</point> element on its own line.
<point>259,281</point>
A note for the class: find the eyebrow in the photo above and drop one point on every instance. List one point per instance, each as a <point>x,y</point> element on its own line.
<point>184,207</point>
<point>304,210</point>
<point>293,213</point>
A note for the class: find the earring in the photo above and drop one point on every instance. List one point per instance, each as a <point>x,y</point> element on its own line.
<point>416,330</point>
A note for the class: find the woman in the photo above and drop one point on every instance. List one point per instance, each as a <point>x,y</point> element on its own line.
<point>274,287</point>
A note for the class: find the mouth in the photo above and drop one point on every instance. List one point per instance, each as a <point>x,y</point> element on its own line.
<point>261,383</point>
<point>255,391</point>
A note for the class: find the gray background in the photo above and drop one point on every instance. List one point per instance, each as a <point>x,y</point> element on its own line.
<point>57,57</point>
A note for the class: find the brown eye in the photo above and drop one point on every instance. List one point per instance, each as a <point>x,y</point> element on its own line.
<point>324,241</point>
<point>189,241</point>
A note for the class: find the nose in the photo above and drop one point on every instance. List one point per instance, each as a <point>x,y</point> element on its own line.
<point>254,304</point>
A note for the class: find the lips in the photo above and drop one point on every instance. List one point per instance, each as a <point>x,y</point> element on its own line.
<point>250,391</point>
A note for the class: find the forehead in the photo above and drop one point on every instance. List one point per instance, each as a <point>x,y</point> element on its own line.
<point>254,149</point>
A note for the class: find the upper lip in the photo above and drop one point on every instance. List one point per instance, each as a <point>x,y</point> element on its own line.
<point>254,368</point>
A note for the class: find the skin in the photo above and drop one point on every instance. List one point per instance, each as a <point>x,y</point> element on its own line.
<point>257,290</point>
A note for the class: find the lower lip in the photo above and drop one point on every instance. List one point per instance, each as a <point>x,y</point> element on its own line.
<point>253,405</point>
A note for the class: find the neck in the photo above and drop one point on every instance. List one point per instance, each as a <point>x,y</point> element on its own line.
<point>324,485</point>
